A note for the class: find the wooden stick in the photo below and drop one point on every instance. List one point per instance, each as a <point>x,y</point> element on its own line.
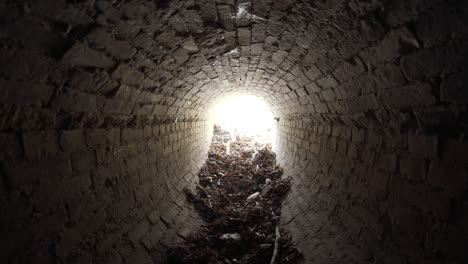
<point>228,147</point>
<point>274,258</point>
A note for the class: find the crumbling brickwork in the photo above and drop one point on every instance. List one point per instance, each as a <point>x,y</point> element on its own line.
<point>104,118</point>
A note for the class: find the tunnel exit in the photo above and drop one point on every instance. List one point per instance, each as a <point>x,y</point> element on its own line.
<point>239,192</point>
<point>246,116</point>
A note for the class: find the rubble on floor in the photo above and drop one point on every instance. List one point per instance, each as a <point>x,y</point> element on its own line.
<point>240,197</point>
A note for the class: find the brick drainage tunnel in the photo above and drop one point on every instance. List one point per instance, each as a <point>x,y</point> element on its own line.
<point>104,121</point>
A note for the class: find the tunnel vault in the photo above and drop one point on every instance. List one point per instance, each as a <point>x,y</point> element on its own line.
<point>104,122</point>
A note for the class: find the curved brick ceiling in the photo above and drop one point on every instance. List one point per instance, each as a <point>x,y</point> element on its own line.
<point>331,59</point>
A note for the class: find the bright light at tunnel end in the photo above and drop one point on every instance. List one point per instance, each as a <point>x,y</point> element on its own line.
<point>246,115</point>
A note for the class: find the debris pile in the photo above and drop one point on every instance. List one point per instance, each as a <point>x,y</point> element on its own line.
<point>240,197</point>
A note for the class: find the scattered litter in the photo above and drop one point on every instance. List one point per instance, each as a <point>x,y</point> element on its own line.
<point>237,229</point>
<point>274,258</point>
<point>232,53</point>
<point>410,41</point>
<point>234,236</point>
<point>253,196</point>
<point>266,189</point>
<point>243,13</point>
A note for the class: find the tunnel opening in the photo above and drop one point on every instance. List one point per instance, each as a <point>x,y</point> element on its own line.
<point>245,116</point>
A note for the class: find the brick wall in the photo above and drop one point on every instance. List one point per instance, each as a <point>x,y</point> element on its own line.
<point>99,194</point>
<point>365,196</point>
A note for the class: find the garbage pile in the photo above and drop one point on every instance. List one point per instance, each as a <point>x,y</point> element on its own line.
<point>239,196</point>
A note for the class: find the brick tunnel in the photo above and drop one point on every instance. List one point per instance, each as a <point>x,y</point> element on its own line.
<point>104,120</point>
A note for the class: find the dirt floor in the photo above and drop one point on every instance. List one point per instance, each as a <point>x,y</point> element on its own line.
<point>239,196</point>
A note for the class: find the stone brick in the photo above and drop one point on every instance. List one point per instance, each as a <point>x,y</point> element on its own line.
<point>400,12</point>
<point>22,93</point>
<point>398,142</point>
<point>130,134</point>
<point>408,96</point>
<point>168,39</point>
<point>190,46</point>
<point>424,145</point>
<point>312,88</point>
<point>448,177</point>
<point>78,185</point>
<point>83,160</point>
<point>428,63</point>
<point>387,76</point>
<point>453,88</point>
<point>373,139</point>
<point>413,168</point>
<point>363,103</point>
<point>71,140</point>
<point>442,23</point>
<point>135,10</point>
<point>116,106</point>
<point>75,101</point>
<point>153,217</point>
<point>353,151</point>
<point>160,110</point>
<point>109,155</point>
<point>193,21</point>
<point>121,50</point>
<point>96,137</point>
<point>104,175</point>
<point>209,11</point>
<point>114,136</point>
<point>40,144</point>
<point>258,33</point>
<point>452,242</point>
<point>128,76</point>
<point>86,81</point>
<point>124,30</point>
<point>327,82</point>
<point>454,151</point>
<point>348,90</point>
<point>420,196</point>
<point>142,229</point>
<point>225,14</point>
<point>386,162</point>
<point>10,146</point>
<point>348,70</point>
<point>390,47</point>
<point>25,175</point>
<point>144,41</point>
<point>82,56</point>
<point>406,218</point>
<point>357,135</point>
<point>342,147</point>
<point>99,36</point>
<point>328,95</point>
<point>256,49</point>
<point>107,83</point>
<point>379,180</point>
<point>151,239</point>
<point>145,109</point>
